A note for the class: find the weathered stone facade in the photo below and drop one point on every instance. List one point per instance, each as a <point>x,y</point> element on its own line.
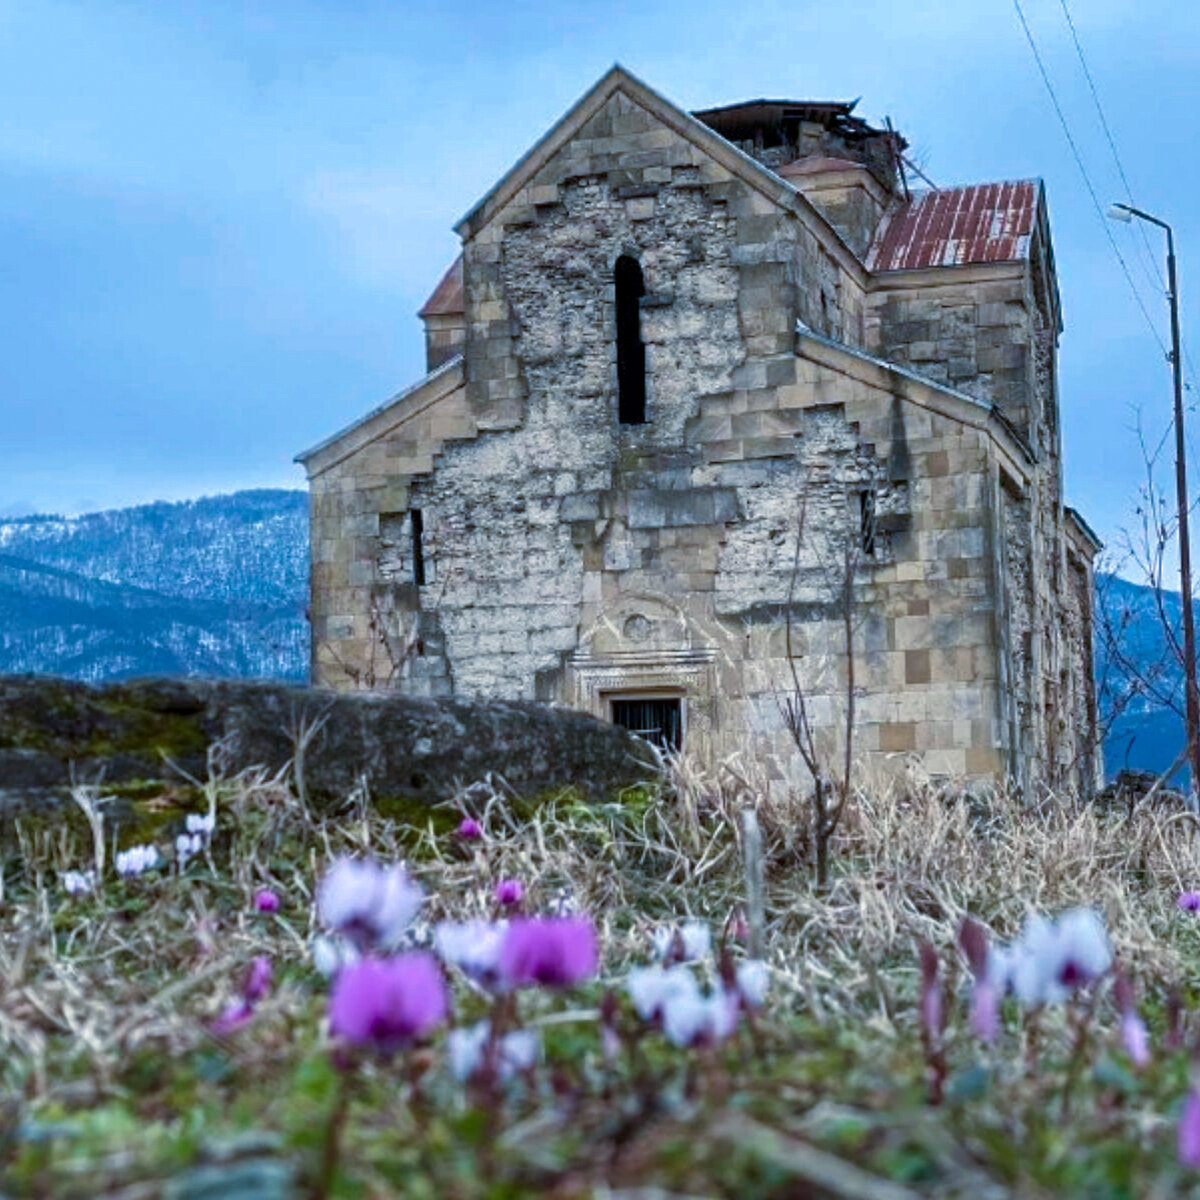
<point>836,418</point>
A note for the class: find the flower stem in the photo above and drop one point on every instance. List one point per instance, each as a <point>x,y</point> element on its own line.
<point>331,1151</point>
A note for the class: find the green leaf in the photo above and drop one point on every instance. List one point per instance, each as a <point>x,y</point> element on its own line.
<point>970,1084</point>
<point>1109,1073</point>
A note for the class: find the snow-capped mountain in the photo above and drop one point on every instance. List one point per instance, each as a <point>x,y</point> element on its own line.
<point>214,587</point>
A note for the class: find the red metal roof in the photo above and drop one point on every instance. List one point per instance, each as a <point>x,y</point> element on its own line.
<point>981,223</point>
<point>447,298</point>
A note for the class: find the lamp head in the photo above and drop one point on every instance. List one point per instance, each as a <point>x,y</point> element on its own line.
<point>1119,212</point>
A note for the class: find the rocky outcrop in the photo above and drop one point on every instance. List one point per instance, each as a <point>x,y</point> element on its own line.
<point>53,731</point>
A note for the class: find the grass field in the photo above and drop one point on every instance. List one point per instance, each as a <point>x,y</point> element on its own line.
<point>118,1076</point>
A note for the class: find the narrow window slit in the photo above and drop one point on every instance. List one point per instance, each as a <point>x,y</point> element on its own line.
<point>866,514</point>
<point>418,551</point>
<point>631,352</point>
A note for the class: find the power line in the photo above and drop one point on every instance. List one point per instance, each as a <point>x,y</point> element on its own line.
<point>1062,120</point>
<point>1149,256</point>
<point>1112,144</point>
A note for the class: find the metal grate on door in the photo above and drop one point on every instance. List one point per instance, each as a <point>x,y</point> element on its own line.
<point>657,719</point>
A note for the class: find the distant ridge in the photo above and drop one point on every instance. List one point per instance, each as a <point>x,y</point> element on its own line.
<point>214,587</point>
<point>218,587</point>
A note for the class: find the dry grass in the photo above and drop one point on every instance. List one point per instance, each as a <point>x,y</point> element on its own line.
<point>105,999</point>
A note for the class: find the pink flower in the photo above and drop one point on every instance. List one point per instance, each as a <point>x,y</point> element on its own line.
<point>932,1014</point>
<point>266,901</point>
<point>1189,902</point>
<point>552,951</point>
<point>258,980</point>
<point>232,1018</point>
<point>1134,1037</point>
<point>985,996</point>
<point>985,1010</point>
<point>470,829</point>
<point>256,983</point>
<point>509,893</point>
<point>385,1004</point>
<point>1189,1130</point>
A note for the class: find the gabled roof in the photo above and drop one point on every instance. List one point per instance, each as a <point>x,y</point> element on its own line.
<point>979,223</point>
<point>738,163</point>
<point>920,390</point>
<point>438,383</point>
<point>447,298</point>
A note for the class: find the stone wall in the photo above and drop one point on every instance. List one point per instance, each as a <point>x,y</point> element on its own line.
<point>972,331</point>
<point>56,733</point>
<point>570,557</point>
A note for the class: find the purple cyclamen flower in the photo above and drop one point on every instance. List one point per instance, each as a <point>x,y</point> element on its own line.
<point>258,980</point>
<point>1189,902</point>
<point>552,951</point>
<point>256,983</point>
<point>1189,1130</point>
<point>510,893</point>
<point>386,1004</point>
<point>232,1018</point>
<point>266,901</point>
<point>470,829</point>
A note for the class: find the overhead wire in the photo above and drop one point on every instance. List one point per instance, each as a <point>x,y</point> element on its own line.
<point>1149,256</point>
<point>1112,142</point>
<point>1105,223</point>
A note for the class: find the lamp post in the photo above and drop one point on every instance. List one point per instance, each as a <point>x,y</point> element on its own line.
<point>1126,213</point>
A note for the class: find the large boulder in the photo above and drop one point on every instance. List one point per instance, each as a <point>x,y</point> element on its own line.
<point>55,731</point>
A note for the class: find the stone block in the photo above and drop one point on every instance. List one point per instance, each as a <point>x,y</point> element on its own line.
<point>916,666</point>
<point>898,737</point>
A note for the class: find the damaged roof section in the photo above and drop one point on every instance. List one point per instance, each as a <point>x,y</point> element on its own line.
<point>979,223</point>
<point>751,117</point>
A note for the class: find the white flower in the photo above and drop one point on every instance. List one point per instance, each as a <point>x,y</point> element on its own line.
<point>1052,959</point>
<point>76,883</point>
<point>201,823</point>
<point>651,989</point>
<point>370,904</point>
<point>695,941</point>
<point>187,845</point>
<point>1001,966</point>
<point>398,900</point>
<point>331,954</point>
<point>464,1048</point>
<point>471,946</point>
<point>691,1019</point>
<point>753,979</point>
<point>517,1051</point>
<point>136,859</point>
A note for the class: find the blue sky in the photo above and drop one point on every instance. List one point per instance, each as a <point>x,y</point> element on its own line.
<point>217,220</point>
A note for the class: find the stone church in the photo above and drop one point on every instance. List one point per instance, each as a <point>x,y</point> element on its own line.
<point>713,396</point>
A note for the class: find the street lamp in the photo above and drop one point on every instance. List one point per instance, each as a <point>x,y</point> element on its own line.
<point>1126,213</point>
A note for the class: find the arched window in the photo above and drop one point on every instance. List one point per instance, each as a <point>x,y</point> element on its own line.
<point>631,354</point>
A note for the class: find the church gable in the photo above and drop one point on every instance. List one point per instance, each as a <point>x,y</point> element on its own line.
<point>725,251</point>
